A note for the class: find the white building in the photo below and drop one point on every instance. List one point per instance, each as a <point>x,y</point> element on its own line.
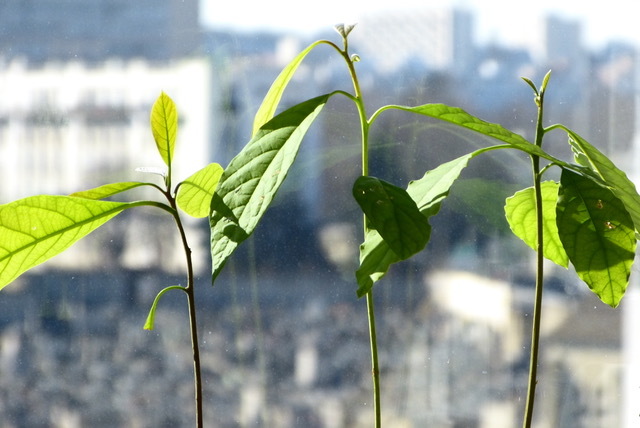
<point>440,38</point>
<point>66,127</point>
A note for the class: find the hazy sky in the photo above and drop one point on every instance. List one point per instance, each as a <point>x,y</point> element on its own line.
<point>506,21</point>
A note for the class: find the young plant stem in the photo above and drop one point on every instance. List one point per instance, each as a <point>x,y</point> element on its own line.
<point>537,307</point>
<point>371,317</point>
<point>193,326</point>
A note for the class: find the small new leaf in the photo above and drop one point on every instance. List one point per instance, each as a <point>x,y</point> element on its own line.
<point>391,211</point>
<point>598,235</point>
<point>151,316</point>
<point>195,193</point>
<point>164,126</point>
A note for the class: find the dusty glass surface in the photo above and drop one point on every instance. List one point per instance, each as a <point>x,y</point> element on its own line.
<point>284,339</point>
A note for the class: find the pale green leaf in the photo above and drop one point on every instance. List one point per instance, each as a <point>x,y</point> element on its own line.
<point>272,99</point>
<point>34,229</point>
<point>164,126</point>
<point>195,193</point>
<point>252,178</point>
<point>598,235</point>
<point>520,210</point>
<point>393,214</point>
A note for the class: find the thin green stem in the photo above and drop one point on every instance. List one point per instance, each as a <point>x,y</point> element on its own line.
<point>364,130</point>
<point>537,308</point>
<point>191,300</point>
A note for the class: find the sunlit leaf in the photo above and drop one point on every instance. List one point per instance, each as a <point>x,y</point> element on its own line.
<point>614,178</point>
<point>428,192</point>
<point>164,126</point>
<point>108,190</point>
<point>391,211</point>
<point>272,99</point>
<point>252,178</point>
<point>194,194</point>
<point>458,116</point>
<point>520,210</point>
<point>37,228</point>
<point>598,235</point>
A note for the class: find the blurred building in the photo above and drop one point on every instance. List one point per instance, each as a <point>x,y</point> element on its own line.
<point>64,126</point>
<point>71,126</point>
<point>439,38</point>
<point>42,30</point>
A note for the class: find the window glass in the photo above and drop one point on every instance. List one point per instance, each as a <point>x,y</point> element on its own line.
<point>284,338</point>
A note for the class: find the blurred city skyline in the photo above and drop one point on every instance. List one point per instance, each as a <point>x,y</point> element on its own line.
<point>497,21</point>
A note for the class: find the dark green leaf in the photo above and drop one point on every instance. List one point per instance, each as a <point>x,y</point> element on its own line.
<point>598,235</point>
<point>614,178</point>
<point>250,182</point>
<point>520,210</point>
<point>375,254</point>
<point>391,211</point>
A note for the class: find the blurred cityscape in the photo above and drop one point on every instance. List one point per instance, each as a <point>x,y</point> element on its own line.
<point>284,338</point>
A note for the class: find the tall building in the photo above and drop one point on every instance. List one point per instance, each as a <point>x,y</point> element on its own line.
<point>42,30</point>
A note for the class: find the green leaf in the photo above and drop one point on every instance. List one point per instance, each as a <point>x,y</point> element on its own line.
<point>605,169</point>
<point>272,99</point>
<point>164,126</point>
<point>195,193</point>
<point>252,178</point>
<point>108,190</point>
<point>428,192</point>
<point>598,235</point>
<point>391,211</point>
<point>520,210</point>
<point>34,229</point>
<point>151,317</point>
<point>376,257</point>
<point>458,116</point>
